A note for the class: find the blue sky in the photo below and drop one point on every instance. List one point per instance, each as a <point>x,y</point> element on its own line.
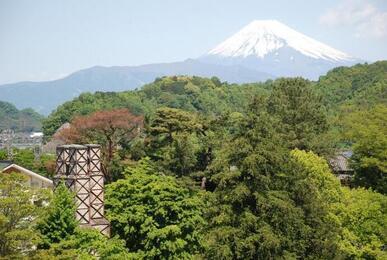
<point>44,40</point>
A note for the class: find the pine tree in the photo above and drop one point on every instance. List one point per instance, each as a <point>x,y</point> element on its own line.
<point>301,115</point>
<point>59,222</point>
<point>267,202</point>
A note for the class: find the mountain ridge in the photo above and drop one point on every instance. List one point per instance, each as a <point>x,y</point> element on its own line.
<point>262,50</point>
<point>115,78</point>
<point>275,48</point>
<point>261,37</point>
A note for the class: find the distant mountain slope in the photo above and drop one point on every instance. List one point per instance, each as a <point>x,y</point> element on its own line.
<point>19,120</point>
<point>362,84</point>
<point>260,51</point>
<point>46,96</point>
<point>272,47</point>
<point>207,96</point>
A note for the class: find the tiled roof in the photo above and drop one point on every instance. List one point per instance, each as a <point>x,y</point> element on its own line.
<point>340,163</point>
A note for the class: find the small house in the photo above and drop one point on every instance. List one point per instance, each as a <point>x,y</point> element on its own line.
<point>341,168</point>
<point>34,180</point>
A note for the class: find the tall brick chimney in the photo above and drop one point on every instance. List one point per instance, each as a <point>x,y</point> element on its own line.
<point>79,167</point>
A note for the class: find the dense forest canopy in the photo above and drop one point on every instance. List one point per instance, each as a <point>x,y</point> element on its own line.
<point>202,169</point>
<point>322,116</point>
<point>25,120</point>
<point>363,84</point>
<point>195,94</point>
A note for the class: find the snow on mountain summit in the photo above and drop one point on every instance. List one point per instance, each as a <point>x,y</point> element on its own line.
<point>262,37</point>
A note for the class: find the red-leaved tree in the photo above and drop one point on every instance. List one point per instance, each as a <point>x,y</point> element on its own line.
<point>107,128</point>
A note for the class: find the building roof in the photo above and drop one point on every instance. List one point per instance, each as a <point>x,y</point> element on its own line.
<point>340,163</point>
<point>28,172</point>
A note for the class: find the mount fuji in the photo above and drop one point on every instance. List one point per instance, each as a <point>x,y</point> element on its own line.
<point>272,47</point>
<point>262,50</point>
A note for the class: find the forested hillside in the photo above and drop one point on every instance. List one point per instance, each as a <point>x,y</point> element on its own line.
<point>25,120</point>
<point>344,93</point>
<point>201,169</point>
<point>360,84</point>
<point>195,94</point>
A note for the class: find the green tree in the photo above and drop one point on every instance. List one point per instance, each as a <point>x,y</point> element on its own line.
<point>59,221</point>
<point>180,157</point>
<point>86,243</point>
<point>289,218</point>
<point>24,158</point>
<point>302,118</point>
<point>269,203</point>
<point>169,121</point>
<point>44,165</point>
<point>316,191</point>
<point>156,217</point>
<point>363,219</point>
<point>18,215</point>
<point>174,141</point>
<point>368,132</point>
<point>3,154</point>
<point>243,171</point>
<point>350,84</point>
<point>61,237</point>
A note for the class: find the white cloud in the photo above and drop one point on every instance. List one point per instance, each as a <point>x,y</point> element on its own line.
<point>366,19</point>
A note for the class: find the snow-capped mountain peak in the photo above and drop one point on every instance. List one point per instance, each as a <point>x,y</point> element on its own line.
<point>263,37</point>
